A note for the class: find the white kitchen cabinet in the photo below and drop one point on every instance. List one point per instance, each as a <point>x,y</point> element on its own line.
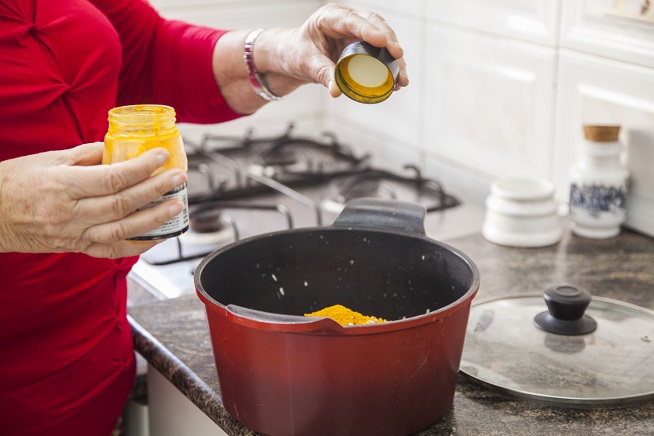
<point>616,29</point>
<point>489,103</point>
<point>601,91</point>
<point>172,414</point>
<point>528,20</point>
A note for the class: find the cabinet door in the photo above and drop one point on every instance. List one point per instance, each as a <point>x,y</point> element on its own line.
<point>527,20</point>
<point>594,90</point>
<point>617,29</point>
<point>489,103</point>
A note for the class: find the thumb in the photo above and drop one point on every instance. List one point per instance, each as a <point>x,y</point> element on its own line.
<point>334,90</point>
<point>321,70</point>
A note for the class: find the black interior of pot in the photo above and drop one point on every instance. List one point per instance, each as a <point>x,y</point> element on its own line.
<point>384,274</point>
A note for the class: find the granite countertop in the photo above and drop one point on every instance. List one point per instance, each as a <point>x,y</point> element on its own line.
<point>173,337</point>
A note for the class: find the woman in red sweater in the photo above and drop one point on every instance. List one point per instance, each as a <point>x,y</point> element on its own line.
<point>66,356</point>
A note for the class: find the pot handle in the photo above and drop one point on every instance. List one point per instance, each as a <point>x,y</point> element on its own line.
<point>383,213</point>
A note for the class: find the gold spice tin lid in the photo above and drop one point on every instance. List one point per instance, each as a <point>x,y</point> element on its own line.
<point>366,73</point>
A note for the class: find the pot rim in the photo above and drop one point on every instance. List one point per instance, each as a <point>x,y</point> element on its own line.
<point>321,325</point>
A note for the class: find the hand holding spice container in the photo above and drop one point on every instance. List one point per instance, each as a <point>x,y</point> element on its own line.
<point>366,73</point>
<point>135,129</point>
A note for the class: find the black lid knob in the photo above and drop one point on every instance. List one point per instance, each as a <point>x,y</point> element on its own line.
<point>566,305</point>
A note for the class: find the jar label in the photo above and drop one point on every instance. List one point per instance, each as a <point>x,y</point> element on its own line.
<point>174,227</point>
<point>595,200</point>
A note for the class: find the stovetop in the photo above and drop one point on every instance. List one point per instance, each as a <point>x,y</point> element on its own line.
<point>245,186</point>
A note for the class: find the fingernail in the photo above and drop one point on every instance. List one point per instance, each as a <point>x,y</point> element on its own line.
<point>176,208</point>
<point>162,157</point>
<point>178,179</point>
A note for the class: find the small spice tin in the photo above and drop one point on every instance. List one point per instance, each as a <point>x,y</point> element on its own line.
<point>366,73</point>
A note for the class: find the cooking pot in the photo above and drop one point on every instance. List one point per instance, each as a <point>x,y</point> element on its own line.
<point>283,373</point>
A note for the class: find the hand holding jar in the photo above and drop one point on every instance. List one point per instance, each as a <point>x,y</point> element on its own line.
<point>63,201</point>
<point>282,59</point>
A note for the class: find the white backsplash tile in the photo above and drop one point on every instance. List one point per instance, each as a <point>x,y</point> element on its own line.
<point>385,152</point>
<point>304,102</point>
<point>235,15</point>
<point>489,103</point>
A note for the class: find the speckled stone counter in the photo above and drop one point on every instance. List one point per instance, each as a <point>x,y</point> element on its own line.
<point>173,337</point>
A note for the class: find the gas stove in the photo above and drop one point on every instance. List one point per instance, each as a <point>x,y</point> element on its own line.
<point>245,186</point>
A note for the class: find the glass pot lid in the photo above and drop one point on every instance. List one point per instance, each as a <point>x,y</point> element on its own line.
<point>562,348</point>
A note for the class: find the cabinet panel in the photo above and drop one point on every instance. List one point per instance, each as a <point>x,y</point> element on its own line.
<point>601,91</point>
<point>617,29</point>
<point>528,20</point>
<point>173,414</point>
<point>489,103</point>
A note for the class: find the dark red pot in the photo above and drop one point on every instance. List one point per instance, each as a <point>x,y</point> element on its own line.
<point>282,373</point>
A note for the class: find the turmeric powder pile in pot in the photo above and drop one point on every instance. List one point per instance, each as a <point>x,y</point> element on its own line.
<point>345,316</point>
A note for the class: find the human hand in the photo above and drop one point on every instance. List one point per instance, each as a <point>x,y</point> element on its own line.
<point>63,201</point>
<point>309,53</point>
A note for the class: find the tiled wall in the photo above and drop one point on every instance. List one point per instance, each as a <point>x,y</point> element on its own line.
<point>498,88</point>
<point>303,107</point>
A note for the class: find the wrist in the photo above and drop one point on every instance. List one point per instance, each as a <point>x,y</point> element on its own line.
<point>272,53</point>
<point>255,77</point>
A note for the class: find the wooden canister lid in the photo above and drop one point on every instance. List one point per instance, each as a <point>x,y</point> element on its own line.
<point>601,133</point>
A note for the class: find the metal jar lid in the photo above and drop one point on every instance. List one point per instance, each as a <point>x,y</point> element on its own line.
<point>366,73</point>
<point>567,350</point>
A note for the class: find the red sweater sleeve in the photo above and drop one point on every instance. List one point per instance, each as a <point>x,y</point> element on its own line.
<point>166,62</point>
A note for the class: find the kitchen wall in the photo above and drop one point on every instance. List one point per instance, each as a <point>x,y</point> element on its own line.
<point>498,88</point>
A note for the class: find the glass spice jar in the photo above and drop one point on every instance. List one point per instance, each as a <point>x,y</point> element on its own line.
<point>136,129</point>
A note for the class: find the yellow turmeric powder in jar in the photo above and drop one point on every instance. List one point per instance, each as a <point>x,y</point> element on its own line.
<point>138,128</point>
<point>345,316</point>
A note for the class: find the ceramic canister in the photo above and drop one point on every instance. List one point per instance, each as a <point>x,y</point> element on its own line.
<point>522,212</point>
<point>598,184</point>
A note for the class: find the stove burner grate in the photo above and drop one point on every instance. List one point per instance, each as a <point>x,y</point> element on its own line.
<point>381,183</point>
<point>292,161</point>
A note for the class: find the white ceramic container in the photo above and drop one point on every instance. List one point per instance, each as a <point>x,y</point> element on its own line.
<point>598,184</point>
<point>522,213</point>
